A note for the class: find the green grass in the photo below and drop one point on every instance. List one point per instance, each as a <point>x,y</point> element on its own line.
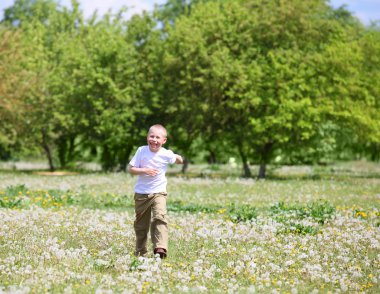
<point>304,228</point>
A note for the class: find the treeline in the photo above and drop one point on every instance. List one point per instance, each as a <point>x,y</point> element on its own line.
<point>292,81</point>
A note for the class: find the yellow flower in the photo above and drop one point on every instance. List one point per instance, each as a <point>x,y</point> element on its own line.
<point>223,210</point>
<point>361,214</point>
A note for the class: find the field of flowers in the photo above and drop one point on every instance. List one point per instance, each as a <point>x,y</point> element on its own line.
<point>311,230</point>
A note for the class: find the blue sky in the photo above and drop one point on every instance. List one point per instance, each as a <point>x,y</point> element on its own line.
<point>365,10</point>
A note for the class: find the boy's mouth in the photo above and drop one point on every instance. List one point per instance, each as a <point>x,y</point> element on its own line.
<point>154,145</point>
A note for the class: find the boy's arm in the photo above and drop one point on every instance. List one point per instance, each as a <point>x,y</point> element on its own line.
<point>142,170</point>
<point>178,159</point>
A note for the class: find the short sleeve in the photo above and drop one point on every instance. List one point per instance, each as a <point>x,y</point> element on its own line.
<point>136,159</point>
<point>172,157</point>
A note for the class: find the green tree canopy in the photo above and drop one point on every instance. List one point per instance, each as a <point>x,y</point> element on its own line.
<point>259,73</point>
<point>261,79</point>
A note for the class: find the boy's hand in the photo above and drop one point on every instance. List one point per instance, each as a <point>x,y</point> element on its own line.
<point>150,171</point>
<point>142,170</point>
<point>179,159</point>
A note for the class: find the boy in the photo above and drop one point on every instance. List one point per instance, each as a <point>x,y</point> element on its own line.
<point>150,164</point>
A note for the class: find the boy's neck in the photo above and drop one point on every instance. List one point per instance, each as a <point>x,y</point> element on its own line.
<point>154,151</point>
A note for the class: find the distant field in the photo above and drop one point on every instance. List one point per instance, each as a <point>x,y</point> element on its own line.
<point>304,229</point>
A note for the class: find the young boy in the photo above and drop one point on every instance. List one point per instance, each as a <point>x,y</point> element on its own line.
<point>150,164</point>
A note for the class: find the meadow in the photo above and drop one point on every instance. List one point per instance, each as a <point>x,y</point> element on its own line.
<point>302,230</point>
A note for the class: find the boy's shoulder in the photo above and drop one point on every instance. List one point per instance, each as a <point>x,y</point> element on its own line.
<point>163,151</point>
<point>143,148</point>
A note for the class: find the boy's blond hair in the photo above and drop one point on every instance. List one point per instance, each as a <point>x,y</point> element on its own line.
<point>159,127</point>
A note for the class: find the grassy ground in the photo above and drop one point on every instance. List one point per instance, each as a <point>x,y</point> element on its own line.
<point>304,229</point>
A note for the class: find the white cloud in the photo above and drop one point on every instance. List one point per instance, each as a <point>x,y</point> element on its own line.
<point>134,6</point>
<point>101,6</point>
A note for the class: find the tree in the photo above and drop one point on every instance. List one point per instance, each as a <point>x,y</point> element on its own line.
<point>100,81</point>
<point>47,32</point>
<point>14,83</point>
<point>253,72</point>
<point>82,95</point>
<point>24,11</point>
<point>363,118</point>
<point>173,9</point>
<point>370,45</point>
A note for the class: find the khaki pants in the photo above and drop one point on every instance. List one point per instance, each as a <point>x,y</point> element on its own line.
<point>150,213</point>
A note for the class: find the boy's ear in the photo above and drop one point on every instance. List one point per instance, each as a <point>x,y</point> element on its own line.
<point>165,139</point>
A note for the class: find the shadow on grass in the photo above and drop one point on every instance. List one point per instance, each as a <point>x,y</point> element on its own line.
<point>275,177</point>
<point>46,172</point>
<point>223,172</point>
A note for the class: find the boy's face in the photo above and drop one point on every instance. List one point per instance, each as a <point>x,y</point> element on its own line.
<point>156,138</point>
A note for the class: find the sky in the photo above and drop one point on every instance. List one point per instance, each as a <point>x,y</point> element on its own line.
<point>365,10</point>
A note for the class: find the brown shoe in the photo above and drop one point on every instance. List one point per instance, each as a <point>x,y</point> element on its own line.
<point>161,252</point>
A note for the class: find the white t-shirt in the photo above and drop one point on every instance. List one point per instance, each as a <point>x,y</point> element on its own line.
<point>158,160</point>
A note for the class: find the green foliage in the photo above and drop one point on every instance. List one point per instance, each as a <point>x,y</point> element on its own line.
<point>104,201</point>
<point>9,203</point>
<point>178,206</point>
<point>291,217</point>
<point>319,211</point>
<point>20,197</point>
<point>11,197</point>
<point>241,213</point>
<point>14,83</point>
<point>246,81</point>
<point>295,228</point>
<point>135,263</point>
<point>296,80</point>
<point>235,213</point>
<point>17,190</point>
<point>24,11</point>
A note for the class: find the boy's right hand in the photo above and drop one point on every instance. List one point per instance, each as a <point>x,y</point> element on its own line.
<point>142,170</point>
<point>151,171</point>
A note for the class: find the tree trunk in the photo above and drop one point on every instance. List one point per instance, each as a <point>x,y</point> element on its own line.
<point>66,149</point>
<point>48,152</point>
<point>124,158</point>
<point>185,165</point>
<point>70,155</point>
<point>62,147</point>
<point>246,170</point>
<point>107,159</point>
<point>265,155</point>
<point>262,170</point>
<point>211,157</point>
